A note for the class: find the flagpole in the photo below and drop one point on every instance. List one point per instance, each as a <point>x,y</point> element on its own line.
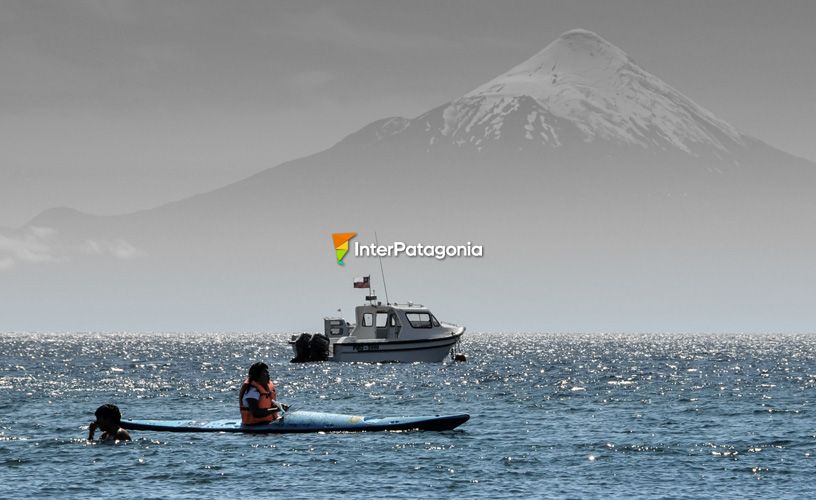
<point>377,241</point>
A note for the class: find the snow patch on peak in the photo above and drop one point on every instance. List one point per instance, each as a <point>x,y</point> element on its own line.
<point>577,57</point>
<point>595,85</point>
<point>582,34</point>
<point>580,40</point>
<point>580,49</point>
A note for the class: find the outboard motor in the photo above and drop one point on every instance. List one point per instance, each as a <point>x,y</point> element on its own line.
<point>302,348</point>
<point>310,347</point>
<point>319,347</point>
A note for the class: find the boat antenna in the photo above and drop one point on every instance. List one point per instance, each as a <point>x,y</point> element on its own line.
<point>377,241</point>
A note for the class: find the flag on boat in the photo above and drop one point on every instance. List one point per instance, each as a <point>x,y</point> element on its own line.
<point>363,282</point>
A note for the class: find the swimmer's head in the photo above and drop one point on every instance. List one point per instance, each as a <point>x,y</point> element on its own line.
<point>108,413</point>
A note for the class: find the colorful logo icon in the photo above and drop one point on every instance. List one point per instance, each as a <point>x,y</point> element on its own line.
<point>341,245</point>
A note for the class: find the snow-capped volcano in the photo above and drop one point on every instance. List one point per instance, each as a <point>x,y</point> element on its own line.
<point>580,89</point>
<point>608,199</point>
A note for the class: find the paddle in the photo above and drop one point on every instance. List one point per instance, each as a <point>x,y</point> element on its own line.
<point>283,409</point>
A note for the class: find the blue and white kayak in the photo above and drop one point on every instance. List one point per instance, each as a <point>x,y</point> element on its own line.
<point>305,421</point>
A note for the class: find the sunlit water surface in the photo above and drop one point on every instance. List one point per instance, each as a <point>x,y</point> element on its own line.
<point>552,416</point>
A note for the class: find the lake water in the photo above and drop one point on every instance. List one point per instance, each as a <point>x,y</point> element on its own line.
<point>551,416</point>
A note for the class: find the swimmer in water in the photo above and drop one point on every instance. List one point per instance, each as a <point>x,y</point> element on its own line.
<point>108,419</point>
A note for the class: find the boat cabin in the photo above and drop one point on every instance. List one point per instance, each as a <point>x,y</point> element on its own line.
<point>385,322</point>
<point>390,321</point>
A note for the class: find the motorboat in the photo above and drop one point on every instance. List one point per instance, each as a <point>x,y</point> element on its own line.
<point>404,333</point>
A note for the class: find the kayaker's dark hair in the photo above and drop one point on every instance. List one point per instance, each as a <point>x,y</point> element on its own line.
<point>256,370</point>
<point>109,412</point>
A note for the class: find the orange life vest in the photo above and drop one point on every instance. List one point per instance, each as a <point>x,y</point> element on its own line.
<point>267,396</point>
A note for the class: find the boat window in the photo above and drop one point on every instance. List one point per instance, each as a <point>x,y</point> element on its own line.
<point>368,319</point>
<point>419,320</point>
<point>382,320</point>
<point>392,320</point>
<point>434,321</point>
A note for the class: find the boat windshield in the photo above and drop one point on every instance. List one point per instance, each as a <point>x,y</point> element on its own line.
<point>421,319</point>
<point>381,320</point>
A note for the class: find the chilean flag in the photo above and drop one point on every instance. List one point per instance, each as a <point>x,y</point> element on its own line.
<point>364,282</point>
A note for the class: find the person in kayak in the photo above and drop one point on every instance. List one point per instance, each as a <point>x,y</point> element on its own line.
<point>257,398</point>
<point>108,418</point>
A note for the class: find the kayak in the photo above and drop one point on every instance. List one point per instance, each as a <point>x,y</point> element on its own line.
<point>304,421</point>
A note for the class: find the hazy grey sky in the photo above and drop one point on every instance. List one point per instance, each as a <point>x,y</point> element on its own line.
<point>111,106</point>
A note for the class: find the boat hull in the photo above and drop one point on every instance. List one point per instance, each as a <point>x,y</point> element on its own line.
<point>408,351</point>
<point>305,421</point>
